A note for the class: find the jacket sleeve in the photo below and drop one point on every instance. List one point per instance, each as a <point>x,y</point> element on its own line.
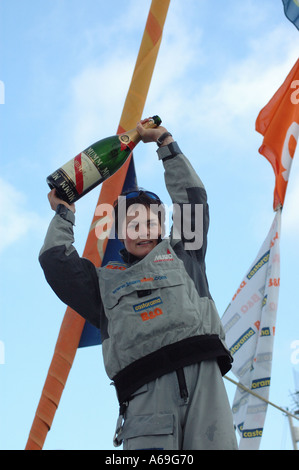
<point>189,198</point>
<point>72,278</point>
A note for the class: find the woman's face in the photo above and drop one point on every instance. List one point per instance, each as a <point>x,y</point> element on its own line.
<point>142,230</point>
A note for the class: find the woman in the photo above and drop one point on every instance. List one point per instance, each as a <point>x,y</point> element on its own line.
<point>162,339</point>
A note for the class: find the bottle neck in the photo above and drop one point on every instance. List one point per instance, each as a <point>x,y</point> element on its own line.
<point>129,139</point>
<point>132,138</point>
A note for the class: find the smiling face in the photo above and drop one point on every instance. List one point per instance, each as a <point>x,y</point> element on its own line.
<point>141,230</point>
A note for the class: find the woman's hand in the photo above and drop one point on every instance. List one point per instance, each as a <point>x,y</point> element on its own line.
<point>55,200</point>
<point>152,134</point>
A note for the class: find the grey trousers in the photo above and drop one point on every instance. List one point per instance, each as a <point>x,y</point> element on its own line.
<point>160,416</point>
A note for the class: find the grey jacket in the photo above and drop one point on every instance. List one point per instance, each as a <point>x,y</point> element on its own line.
<point>156,315</point>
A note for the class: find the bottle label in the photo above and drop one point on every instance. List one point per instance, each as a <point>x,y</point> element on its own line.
<point>125,142</point>
<point>82,171</point>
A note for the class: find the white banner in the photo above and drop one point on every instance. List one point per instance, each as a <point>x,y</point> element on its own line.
<point>249,323</point>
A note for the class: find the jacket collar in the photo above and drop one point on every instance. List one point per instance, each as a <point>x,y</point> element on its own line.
<point>127,257</point>
<point>130,259</point>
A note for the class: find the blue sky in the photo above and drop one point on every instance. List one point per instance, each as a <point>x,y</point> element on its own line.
<point>66,66</point>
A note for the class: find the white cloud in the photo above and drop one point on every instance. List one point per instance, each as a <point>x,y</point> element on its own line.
<point>182,90</point>
<point>246,86</point>
<point>96,98</point>
<point>223,108</point>
<point>15,220</point>
<point>98,92</point>
<point>190,92</point>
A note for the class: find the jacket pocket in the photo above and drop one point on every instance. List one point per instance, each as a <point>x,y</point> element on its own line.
<point>138,326</point>
<point>112,294</point>
<point>148,432</point>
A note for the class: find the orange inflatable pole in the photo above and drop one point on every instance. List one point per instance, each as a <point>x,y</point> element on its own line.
<point>72,324</point>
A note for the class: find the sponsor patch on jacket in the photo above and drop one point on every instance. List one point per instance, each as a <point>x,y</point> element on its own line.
<point>161,258</point>
<point>138,281</point>
<point>121,267</point>
<point>147,304</point>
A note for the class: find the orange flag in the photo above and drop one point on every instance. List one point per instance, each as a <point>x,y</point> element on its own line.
<point>72,324</point>
<point>278,122</point>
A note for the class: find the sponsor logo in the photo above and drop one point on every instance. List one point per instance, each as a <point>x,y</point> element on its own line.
<point>115,266</point>
<point>274,282</point>
<point>242,340</point>
<point>231,322</point>
<point>265,332</point>
<point>253,300</point>
<point>145,316</point>
<point>146,279</point>
<point>249,433</point>
<point>260,383</point>
<point>243,284</point>
<point>161,258</point>
<point>261,262</point>
<point>263,357</point>
<point>138,281</point>
<point>148,304</point>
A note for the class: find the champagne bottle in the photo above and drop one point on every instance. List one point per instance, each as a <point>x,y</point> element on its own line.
<point>95,164</point>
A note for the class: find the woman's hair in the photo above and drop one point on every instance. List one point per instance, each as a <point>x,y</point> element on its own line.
<point>138,196</point>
